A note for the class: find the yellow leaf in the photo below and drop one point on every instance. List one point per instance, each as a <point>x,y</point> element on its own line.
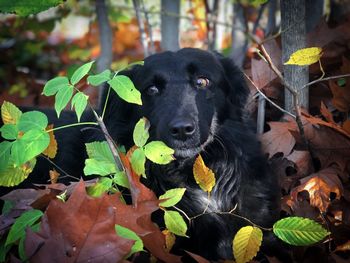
<point>10,114</point>
<point>51,150</point>
<point>54,176</point>
<point>246,243</point>
<point>305,56</point>
<point>204,177</point>
<point>169,239</point>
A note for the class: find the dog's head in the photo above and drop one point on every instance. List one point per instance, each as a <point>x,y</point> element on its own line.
<point>186,96</point>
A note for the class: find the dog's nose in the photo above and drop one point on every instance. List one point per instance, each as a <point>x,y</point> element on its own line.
<point>182,129</point>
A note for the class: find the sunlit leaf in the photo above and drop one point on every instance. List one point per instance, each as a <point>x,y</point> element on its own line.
<point>141,134</point>
<point>246,243</point>
<point>17,230</point>
<point>9,131</point>
<point>99,151</point>
<point>299,231</point>
<point>138,160</point>
<point>129,234</point>
<point>204,176</point>
<point>29,146</point>
<point>32,120</point>
<point>51,149</point>
<point>22,8</point>
<point>121,179</point>
<point>100,187</point>
<point>10,114</point>
<point>12,175</point>
<point>125,89</point>
<point>305,56</point>
<point>96,167</point>
<point>81,72</point>
<point>98,79</point>
<point>5,149</point>
<point>62,98</point>
<point>54,85</point>
<point>79,102</point>
<point>175,223</point>
<point>172,196</point>
<point>158,152</point>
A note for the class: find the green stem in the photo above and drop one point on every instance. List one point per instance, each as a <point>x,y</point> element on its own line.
<point>105,105</point>
<point>72,125</point>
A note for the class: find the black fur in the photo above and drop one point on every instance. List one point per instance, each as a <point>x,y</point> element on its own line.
<point>192,120</point>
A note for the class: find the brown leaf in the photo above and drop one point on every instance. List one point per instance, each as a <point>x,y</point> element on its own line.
<point>344,247</point>
<point>346,126</point>
<point>169,239</point>
<point>279,138</point>
<point>326,113</point>
<point>198,258</point>
<point>302,161</point>
<point>51,150</point>
<point>341,97</point>
<point>319,186</point>
<point>82,229</point>
<point>54,176</point>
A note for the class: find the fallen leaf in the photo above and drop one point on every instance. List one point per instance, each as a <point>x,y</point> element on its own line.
<point>302,161</point>
<point>319,186</point>
<point>326,113</point>
<point>279,138</point>
<point>54,176</point>
<point>343,247</point>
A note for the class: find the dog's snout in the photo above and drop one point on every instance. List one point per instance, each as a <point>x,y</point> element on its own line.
<point>182,129</point>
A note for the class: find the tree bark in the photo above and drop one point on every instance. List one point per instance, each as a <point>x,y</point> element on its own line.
<point>294,38</point>
<point>105,33</point>
<point>144,42</point>
<point>239,39</point>
<point>170,25</point>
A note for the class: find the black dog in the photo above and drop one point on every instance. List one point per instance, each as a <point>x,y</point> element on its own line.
<point>195,102</point>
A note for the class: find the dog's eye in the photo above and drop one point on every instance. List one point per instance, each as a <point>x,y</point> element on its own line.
<point>152,90</point>
<point>202,83</point>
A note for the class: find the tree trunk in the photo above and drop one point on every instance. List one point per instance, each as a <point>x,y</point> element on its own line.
<point>105,33</point>
<point>314,13</point>
<point>239,39</point>
<point>294,38</point>
<point>170,25</point>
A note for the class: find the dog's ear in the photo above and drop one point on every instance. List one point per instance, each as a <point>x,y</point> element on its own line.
<point>238,90</point>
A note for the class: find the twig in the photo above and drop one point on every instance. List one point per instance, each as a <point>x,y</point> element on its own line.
<point>141,27</point>
<point>59,168</point>
<point>325,79</point>
<point>268,99</point>
<point>149,27</point>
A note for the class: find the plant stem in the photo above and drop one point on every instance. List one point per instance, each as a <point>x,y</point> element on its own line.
<point>71,125</point>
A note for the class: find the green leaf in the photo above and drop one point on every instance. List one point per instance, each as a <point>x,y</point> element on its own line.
<point>81,72</point>
<point>121,179</point>
<point>341,82</point>
<point>32,120</point>
<point>9,131</point>
<point>125,89</point>
<point>3,250</point>
<point>172,196</point>
<point>12,175</point>
<point>100,187</point>
<point>138,160</point>
<point>98,79</point>
<point>10,114</point>
<point>96,167</point>
<point>54,85</point>
<point>158,152</point>
<point>129,234</point>
<point>17,230</point>
<point>99,151</point>
<point>175,223</point>
<point>21,250</point>
<point>299,231</point>
<point>29,146</point>
<point>62,98</point>
<point>23,8</point>
<point>141,134</point>
<point>79,103</point>
<point>5,150</point>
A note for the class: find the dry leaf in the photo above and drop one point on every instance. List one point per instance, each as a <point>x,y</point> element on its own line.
<point>54,176</point>
<point>204,176</point>
<point>169,239</point>
<point>51,150</point>
<point>326,113</point>
<point>344,247</point>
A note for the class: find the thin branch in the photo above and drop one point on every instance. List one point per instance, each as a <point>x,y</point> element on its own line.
<point>59,168</point>
<point>149,27</point>
<point>325,79</point>
<point>268,99</point>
